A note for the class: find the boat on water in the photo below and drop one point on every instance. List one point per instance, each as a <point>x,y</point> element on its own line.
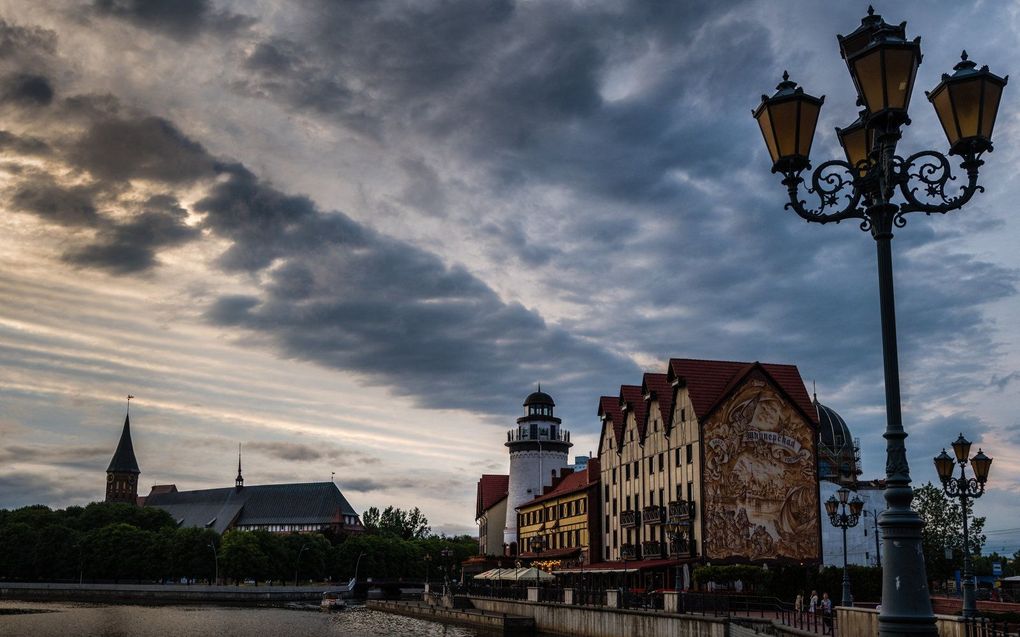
<point>332,602</point>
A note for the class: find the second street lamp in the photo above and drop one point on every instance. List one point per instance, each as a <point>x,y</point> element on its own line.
<point>966,489</point>
<point>838,516</point>
<point>883,65</point>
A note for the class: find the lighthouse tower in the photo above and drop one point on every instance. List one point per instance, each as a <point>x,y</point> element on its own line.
<point>538,451</point>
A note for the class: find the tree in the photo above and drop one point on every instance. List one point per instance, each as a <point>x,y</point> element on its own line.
<point>943,529</point>
<point>241,556</point>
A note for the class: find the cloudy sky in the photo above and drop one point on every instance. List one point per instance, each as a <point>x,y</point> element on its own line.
<point>352,236</point>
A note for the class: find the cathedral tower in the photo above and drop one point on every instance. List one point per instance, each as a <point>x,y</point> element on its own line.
<point>538,451</point>
<point>122,474</point>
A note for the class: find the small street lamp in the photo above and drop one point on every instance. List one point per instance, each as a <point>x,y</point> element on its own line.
<point>883,66</point>
<point>216,564</point>
<point>676,532</point>
<point>839,518</point>
<point>297,562</point>
<point>966,489</point>
<point>538,544</point>
<point>428,564</point>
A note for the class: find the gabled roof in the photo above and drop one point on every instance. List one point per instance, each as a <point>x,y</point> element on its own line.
<point>708,382</point>
<point>491,489</point>
<point>218,509</point>
<point>609,411</point>
<point>657,387</point>
<point>124,458</point>
<point>633,400</point>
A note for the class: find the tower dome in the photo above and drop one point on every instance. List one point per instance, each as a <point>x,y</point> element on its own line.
<point>839,454</point>
<point>539,406</point>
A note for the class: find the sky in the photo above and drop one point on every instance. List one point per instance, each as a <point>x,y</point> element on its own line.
<point>352,236</point>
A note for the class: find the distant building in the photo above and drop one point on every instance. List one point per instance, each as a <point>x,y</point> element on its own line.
<point>839,454</point>
<point>563,526</point>
<point>490,512</point>
<point>538,449</point>
<point>122,474</point>
<point>277,508</point>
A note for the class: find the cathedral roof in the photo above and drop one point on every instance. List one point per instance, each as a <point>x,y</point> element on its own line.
<point>832,429</point>
<point>220,509</point>
<point>124,458</point>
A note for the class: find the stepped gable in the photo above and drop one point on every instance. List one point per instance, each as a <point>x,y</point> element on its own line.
<point>708,382</point>
<point>609,407</point>
<point>657,387</point>
<point>491,489</point>
<point>632,399</point>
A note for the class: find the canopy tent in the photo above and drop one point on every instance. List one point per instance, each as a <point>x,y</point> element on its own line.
<point>516,575</point>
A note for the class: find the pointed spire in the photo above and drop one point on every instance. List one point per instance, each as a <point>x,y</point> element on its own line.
<point>239,481</point>
<point>124,458</point>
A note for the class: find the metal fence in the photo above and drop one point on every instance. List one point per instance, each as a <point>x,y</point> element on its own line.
<point>822,622</point>
<point>987,627</point>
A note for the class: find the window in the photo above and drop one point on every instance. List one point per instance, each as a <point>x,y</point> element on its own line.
<point>865,531</point>
<point>690,491</point>
<point>690,454</point>
<point>651,497</point>
<point>678,456</point>
<point>614,511</point>
<point>651,466</point>
<point>662,462</point>
<point>627,503</point>
<point>662,497</point>
<point>679,492</point>
<point>607,522</point>
<point>607,493</point>
<point>626,472</point>
<point>616,542</point>
<point>614,475</point>
<point>683,415</point>
<point>637,469</point>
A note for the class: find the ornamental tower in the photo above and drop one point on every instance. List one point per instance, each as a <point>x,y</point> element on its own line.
<point>538,451</point>
<point>122,474</point>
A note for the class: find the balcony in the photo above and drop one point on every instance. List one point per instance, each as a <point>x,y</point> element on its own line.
<point>652,550</point>
<point>653,515</point>
<point>628,518</point>
<point>681,512</point>
<point>537,434</point>
<point>629,551</point>
<point>681,547</point>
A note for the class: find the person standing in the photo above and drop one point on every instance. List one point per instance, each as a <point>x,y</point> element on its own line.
<point>813,603</point>
<point>798,604</point>
<point>826,611</point>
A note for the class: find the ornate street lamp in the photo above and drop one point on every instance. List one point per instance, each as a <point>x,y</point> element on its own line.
<point>838,516</point>
<point>966,489</point>
<point>883,65</point>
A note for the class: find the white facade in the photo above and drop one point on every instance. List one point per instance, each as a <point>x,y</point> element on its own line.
<point>538,452</point>
<point>863,541</point>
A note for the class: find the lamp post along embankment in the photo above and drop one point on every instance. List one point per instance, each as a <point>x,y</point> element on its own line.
<point>878,188</point>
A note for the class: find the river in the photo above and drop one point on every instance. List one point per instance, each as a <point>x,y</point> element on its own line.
<point>99,620</point>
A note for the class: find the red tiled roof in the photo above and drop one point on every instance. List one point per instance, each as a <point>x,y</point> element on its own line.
<point>631,396</point>
<point>491,489</point>
<point>708,382</point>
<point>609,406</point>
<point>657,387</point>
<point>570,483</point>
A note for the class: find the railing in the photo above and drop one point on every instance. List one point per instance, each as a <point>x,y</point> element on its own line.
<point>589,597</point>
<point>554,595</point>
<point>681,547</point>
<point>681,511</point>
<point>987,627</point>
<point>641,601</point>
<point>653,515</point>
<point>629,551</point>
<point>507,590</point>
<point>628,518</point>
<point>820,621</point>
<point>523,434</point>
<point>651,550</point>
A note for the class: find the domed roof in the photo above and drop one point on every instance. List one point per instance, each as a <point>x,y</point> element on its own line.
<point>539,398</point>
<point>832,429</point>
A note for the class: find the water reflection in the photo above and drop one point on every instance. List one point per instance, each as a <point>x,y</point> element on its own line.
<point>93,620</point>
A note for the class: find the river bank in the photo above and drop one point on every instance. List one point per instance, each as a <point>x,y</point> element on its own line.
<point>164,593</point>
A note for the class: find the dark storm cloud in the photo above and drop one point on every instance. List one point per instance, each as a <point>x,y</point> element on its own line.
<point>27,89</point>
<point>142,148</point>
<point>70,206</point>
<point>178,19</point>
<point>25,488</point>
<point>132,246</point>
<point>23,144</point>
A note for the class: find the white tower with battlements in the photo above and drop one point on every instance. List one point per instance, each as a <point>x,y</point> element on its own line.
<point>538,451</point>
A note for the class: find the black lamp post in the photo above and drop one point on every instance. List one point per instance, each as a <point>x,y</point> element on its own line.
<point>838,516</point>
<point>966,489</point>
<point>883,65</point>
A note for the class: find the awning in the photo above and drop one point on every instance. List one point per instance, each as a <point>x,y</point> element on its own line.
<point>516,575</point>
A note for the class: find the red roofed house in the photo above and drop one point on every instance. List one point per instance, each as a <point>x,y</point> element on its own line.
<point>711,461</point>
<point>490,513</point>
<point>561,527</point>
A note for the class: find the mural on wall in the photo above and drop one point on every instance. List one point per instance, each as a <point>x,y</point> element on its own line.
<point>761,497</point>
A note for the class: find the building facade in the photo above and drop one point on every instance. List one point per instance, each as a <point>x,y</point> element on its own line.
<point>562,527</point>
<point>711,461</point>
<point>490,513</point>
<point>538,449</point>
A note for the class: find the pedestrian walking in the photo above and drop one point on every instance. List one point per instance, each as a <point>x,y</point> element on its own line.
<point>813,603</point>
<point>826,611</point>
<point>798,604</point>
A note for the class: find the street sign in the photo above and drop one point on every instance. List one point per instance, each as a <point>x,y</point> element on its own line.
<point>997,569</point>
